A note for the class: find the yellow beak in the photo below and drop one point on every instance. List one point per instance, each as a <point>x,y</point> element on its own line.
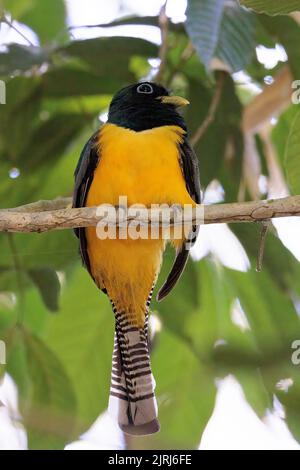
<point>175,100</point>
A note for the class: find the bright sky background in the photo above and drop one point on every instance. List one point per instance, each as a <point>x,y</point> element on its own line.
<point>234,425</point>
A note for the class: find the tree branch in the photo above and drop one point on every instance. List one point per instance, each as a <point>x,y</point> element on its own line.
<point>211,112</point>
<point>273,100</point>
<point>56,215</point>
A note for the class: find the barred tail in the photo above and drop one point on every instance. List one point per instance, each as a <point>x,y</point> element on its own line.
<point>132,398</point>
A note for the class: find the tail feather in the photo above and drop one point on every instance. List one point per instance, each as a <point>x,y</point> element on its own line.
<point>132,399</point>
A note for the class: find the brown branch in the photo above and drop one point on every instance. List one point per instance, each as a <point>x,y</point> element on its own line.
<point>35,220</point>
<point>44,205</point>
<point>273,100</point>
<point>211,112</point>
<point>262,243</point>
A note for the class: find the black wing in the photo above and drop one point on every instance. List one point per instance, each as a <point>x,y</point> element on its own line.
<point>191,174</point>
<point>84,173</point>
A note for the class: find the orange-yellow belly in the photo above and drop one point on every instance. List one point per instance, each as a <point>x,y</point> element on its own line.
<point>144,167</point>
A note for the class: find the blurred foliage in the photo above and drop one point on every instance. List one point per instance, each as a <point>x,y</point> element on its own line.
<point>58,327</point>
<point>272,7</point>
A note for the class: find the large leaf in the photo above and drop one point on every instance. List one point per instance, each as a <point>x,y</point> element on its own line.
<point>65,82</point>
<point>214,159</point>
<point>270,312</point>
<point>20,58</point>
<point>292,156</point>
<point>82,338</point>
<point>272,7</point>
<point>203,24</point>
<point>110,54</point>
<point>17,7</point>
<point>47,399</point>
<point>285,31</point>
<point>278,260</point>
<point>281,131</point>
<point>47,282</point>
<point>47,19</point>
<point>51,139</point>
<point>221,30</point>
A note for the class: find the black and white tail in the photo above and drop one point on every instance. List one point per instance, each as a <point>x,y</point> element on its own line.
<point>132,400</point>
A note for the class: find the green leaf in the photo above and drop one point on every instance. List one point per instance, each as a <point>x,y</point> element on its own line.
<point>17,7</point>
<point>203,24</point>
<point>270,312</point>
<point>214,160</point>
<point>47,282</point>
<point>47,19</point>
<point>47,400</point>
<point>50,419</point>
<point>221,30</point>
<point>292,156</point>
<point>236,42</point>
<point>64,82</point>
<point>133,20</point>
<point>285,31</point>
<point>81,336</point>
<point>20,58</point>
<point>51,139</point>
<point>110,55</point>
<point>281,132</point>
<point>278,260</point>
<point>290,399</point>
<point>256,392</point>
<point>272,7</point>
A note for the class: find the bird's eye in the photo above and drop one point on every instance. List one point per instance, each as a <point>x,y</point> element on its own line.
<point>145,88</point>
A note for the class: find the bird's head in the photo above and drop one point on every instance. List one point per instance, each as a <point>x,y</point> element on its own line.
<point>144,106</point>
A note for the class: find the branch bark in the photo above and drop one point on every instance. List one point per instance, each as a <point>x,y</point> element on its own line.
<point>45,216</point>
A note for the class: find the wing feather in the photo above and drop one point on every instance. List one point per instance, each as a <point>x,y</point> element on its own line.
<point>84,173</point>
<point>190,169</point>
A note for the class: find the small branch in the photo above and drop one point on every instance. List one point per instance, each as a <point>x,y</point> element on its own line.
<point>36,220</point>
<point>12,26</point>
<point>262,243</point>
<point>42,206</point>
<point>211,112</point>
<point>164,28</point>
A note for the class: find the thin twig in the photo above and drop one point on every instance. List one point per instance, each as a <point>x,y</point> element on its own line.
<point>164,28</point>
<point>211,112</point>
<point>12,26</point>
<point>265,226</point>
<point>185,56</point>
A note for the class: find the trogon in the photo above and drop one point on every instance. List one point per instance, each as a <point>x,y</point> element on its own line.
<point>141,152</point>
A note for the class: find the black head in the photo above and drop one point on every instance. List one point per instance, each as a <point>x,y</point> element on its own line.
<point>144,106</point>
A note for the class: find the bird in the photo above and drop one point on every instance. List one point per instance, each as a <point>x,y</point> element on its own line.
<point>141,152</point>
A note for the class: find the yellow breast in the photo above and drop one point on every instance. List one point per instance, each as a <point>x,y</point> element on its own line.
<point>144,166</point>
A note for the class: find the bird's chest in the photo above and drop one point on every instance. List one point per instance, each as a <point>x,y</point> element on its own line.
<point>143,166</point>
